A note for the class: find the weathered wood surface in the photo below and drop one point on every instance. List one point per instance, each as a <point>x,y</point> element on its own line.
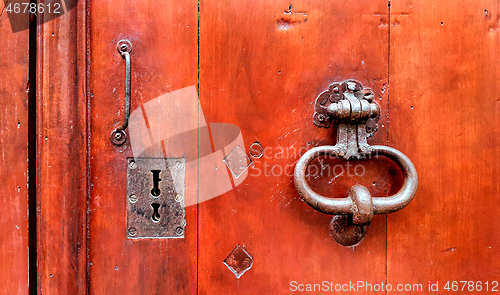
<point>62,138</point>
<point>164,59</point>
<point>261,68</point>
<point>14,161</point>
<point>444,109</point>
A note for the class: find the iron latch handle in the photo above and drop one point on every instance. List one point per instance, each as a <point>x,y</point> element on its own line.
<point>352,107</point>
<point>118,136</point>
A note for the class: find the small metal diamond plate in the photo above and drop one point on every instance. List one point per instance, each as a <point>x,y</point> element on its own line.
<point>155,197</point>
<point>239,261</point>
<point>237,161</point>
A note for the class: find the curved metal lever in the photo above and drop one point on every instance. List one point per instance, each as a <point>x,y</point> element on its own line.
<point>353,113</point>
<point>118,136</point>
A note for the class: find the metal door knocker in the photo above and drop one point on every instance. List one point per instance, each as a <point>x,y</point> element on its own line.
<point>352,108</point>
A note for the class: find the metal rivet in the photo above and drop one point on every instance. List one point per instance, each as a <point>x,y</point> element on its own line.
<point>124,46</point>
<point>336,89</point>
<point>132,164</point>
<point>179,231</point>
<point>178,164</point>
<point>132,231</point>
<point>118,137</point>
<point>178,197</point>
<point>321,118</point>
<point>132,198</point>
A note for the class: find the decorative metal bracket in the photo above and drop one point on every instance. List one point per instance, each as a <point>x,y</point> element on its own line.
<point>351,106</point>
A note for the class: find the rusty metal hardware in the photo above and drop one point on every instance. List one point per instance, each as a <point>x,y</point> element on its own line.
<point>239,261</point>
<point>118,136</point>
<point>351,106</point>
<point>155,197</point>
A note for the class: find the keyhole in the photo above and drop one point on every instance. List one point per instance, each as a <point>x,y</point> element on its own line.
<point>156,215</point>
<point>156,181</point>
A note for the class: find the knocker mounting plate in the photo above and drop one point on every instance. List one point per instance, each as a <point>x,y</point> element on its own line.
<point>350,106</point>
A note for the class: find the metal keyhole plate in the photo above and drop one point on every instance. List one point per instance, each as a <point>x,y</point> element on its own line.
<point>155,197</point>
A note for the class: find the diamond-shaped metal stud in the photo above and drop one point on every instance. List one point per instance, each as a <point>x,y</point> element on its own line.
<point>237,161</point>
<point>239,261</point>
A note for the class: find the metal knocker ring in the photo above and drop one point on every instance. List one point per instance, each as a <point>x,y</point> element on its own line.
<point>355,114</point>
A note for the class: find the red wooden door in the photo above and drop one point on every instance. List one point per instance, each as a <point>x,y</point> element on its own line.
<point>260,74</point>
<point>274,62</point>
<point>164,59</point>
<point>227,88</point>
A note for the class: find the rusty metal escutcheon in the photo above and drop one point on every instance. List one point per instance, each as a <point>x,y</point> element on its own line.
<point>156,197</point>
<point>352,107</point>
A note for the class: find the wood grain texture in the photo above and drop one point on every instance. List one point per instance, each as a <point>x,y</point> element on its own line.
<point>14,161</point>
<point>62,158</point>
<point>261,68</point>
<point>164,59</point>
<point>444,110</point>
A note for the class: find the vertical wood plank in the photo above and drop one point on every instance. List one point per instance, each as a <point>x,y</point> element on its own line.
<point>62,157</point>
<point>163,59</point>
<point>444,110</point>
<point>14,161</point>
<point>262,65</point>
